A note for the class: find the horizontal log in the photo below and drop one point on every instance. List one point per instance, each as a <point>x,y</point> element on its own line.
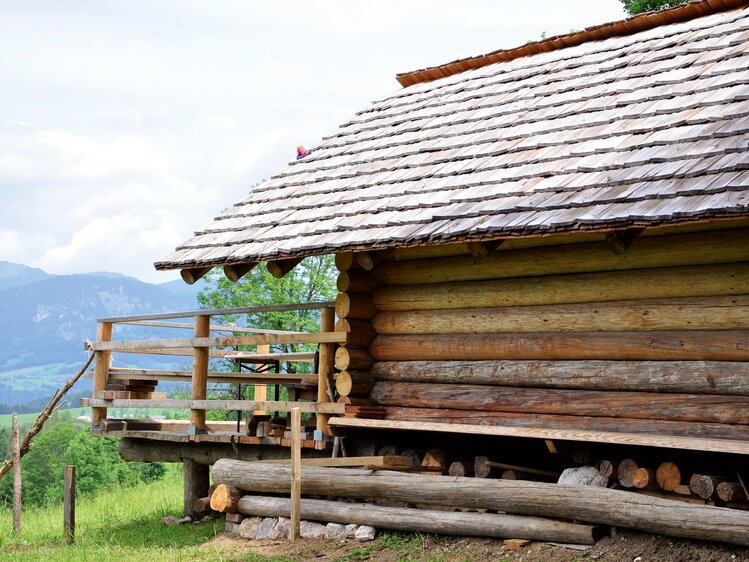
<point>225,499</point>
<point>731,491</point>
<point>344,261</point>
<point>614,437</point>
<point>279,268</point>
<point>381,462</point>
<point>225,405</point>
<point>354,383</point>
<point>668,476</point>
<point>660,282</point>
<point>703,377</point>
<point>727,345</point>
<point>425,520</point>
<point>727,246</point>
<point>573,423</point>
<point>633,405</point>
<point>352,358</point>
<point>588,504</point>
<point>355,281</point>
<point>260,339</point>
<point>359,333</point>
<point>703,313</point>
<point>355,305</point>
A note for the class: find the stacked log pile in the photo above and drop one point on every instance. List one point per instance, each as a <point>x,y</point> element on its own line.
<point>507,508</point>
<point>651,341</point>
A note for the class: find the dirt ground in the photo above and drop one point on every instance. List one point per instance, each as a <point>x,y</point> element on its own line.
<point>624,545</point>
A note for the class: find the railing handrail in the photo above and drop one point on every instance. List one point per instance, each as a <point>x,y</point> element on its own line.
<point>220,312</point>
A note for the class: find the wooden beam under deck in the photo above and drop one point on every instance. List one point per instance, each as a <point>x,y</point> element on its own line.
<point>213,376</point>
<point>669,442</point>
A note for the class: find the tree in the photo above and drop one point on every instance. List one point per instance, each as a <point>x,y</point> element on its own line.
<point>638,6</point>
<point>313,280</point>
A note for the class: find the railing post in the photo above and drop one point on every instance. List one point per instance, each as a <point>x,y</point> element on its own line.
<point>200,373</point>
<point>261,390</point>
<point>102,363</point>
<point>327,355</point>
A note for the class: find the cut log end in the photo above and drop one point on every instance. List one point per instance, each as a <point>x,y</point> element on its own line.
<point>225,499</point>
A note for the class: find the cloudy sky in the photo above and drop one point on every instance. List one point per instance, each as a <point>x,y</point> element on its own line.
<point>127,124</point>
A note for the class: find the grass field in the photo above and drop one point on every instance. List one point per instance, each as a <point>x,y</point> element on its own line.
<point>28,419</point>
<point>119,525</point>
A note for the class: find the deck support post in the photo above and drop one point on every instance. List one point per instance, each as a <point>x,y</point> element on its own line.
<point>327,357</point>
<point>102,363</point>
<point>196,484</point>
<point>200,374</point>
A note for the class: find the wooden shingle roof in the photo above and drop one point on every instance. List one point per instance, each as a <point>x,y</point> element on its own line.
<point>629,131</point>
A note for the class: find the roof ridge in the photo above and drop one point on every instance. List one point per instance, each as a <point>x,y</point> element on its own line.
<point>635,24</point>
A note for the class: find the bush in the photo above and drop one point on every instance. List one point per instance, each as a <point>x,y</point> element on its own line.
<point>97,461</point>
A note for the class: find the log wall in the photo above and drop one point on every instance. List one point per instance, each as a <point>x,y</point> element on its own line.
<point>568,336</point>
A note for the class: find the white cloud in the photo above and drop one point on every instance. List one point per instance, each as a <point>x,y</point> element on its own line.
<point>125,126</point>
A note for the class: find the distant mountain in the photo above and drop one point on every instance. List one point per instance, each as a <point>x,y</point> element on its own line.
<point>46,321</point>
<point>15,274</point>
<point>179,287</point>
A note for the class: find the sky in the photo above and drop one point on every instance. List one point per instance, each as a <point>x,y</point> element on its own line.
<point>126,125</point>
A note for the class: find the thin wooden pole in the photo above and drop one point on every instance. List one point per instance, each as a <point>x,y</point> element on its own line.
<point>296,472</point>
<point>200,374</point>
<point>16,476</point>
<point>261,390</point>
<point>327,356</point>
<point>69,509</point>
<point>102,363</point>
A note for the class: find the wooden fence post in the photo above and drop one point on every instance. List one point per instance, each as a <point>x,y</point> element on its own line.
<point>327,356</point>
<point>296,472</point>
<point>16,476</point>
<point>101,370</point>
<point>200,373</point>
<point>69,508</point>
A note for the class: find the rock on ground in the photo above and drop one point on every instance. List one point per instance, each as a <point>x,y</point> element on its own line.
<point>171,520</point>
<point>583,476</point>
<point>248,528</point>
<point>265,528</point>
<point>365,533</point>
<point>351,530</point>
<point>281,529</point>
<point>310,530</point>
<point>335,531</point>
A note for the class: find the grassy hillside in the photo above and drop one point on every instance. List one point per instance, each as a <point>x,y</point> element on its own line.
<point>121,524</point>
<point>28,419</point>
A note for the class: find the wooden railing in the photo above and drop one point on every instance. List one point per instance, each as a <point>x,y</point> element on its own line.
<point>134,387</point>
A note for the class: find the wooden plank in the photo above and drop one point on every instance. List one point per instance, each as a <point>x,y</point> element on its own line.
<point>214,327</point>
<point>221,312</point>
<point>727,345</point>
<point>383,461</point>
<point>660,282</point>
<point>102,362</point>
<point>703,377</point>
<point>634,405</point>
<point>668,442</point>
<point>328,337</point>
<point>667,251</point>
<point>703,313</point>
<point>126,374</point>
<point>294,356</point>
<point>226,405</point>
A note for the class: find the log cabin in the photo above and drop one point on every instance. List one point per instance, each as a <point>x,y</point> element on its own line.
<point>547,244</point>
